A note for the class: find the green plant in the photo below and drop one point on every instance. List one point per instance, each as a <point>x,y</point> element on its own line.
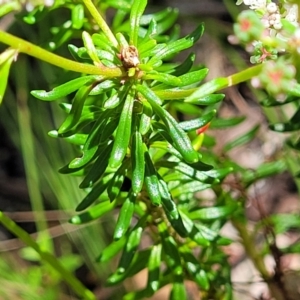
<point>135,156</point>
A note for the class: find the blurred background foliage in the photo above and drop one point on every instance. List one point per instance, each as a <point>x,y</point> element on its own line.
<point>29,160</point>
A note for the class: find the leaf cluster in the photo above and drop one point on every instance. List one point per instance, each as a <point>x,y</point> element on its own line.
<point>138,157</point>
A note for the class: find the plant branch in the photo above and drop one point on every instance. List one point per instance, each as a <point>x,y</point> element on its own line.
<point>222,83</point>
<point>192,95</point>
<point>101,22</point>
<point>249,243</point>
<point>75,284</point>
<point>244,75</point>
<point>56,60</point>
<point>257,259</point>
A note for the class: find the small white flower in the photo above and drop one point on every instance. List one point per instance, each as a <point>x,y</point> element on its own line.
<point>272,8</point>
<point>256,4</point>
<point>295,40</point>
<point>277,25</point>
<point>49,2</point>
<point>274,18</point>
<point>292,13</point>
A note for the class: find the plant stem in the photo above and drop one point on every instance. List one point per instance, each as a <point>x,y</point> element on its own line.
<point>223,82</point>
<point>74,283</point>
<point>56,60</point>
<point>249,243</point>
<point>257,259</point>
<point>209,87</point>
<point>101,22</point>
<point>244,75</point>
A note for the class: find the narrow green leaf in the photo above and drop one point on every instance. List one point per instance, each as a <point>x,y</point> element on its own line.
<point>66,88</point>
<point>101,41</point>
<point>120,4</point>
<point>76,139</point>
<point>193,232</point>
<point>112,249</point>
<point>114,188</point>
<point>177,46</point>
<point>77,16</point>
<point>209,99</point>
<point>138,162</point>
<point>6,59</point>
<point>74,52</point>
<point>285,127</point>
<point>243,139</point>
<point>4,73</point>
<point>95,193</point>
<point>187,108</point>
<point>188,170</point>
<point>270,101</point>
<point>294,248</point>
<point>122,40</point>
<point>133,241</point>
<point>285,222</point>
<point>185,67</point>
<point>292,125</point>
<point>92,143</point>
<point>151,179</point>
<point>102,87</point>
<point>145,121</point>
<point>264,170</point>
<point>178,291</point>
<point>219,173</point>
<point>77,107</point>
<point>207,88</point>
<point>138,263</point>
<point>213,213</point>
<point>93,213</point>
<point>193,77</point>
<point>194,269</point>
<point>190,187</point>
<point>157,16</point>
<point>8,7</point>
<point>179,137</point>
<point>154,268</point>
<point>98,168</point>
<point>123,134</point>
<point>219,123</point>
<point>144,49</point>
<point>166,23</point>
<point>125,216</point>
<point>137,10</point>
<point>197,123</point>
<point>170,250</point>
<point>163,77</point>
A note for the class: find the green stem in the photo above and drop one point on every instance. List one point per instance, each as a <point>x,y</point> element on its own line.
<point>249,243</point>
<point>56,60</point>
<point>101,22</point>
<point>244,75</point>
<point>257,259</point>
<point>209,87</point>
<point>224,82</point>
<point>74,283</point>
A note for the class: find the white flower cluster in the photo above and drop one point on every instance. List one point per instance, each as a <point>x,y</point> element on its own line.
<point>255,4</point>
<point>31,4</point>
<point>292,13</point>
<point>272,14</point>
